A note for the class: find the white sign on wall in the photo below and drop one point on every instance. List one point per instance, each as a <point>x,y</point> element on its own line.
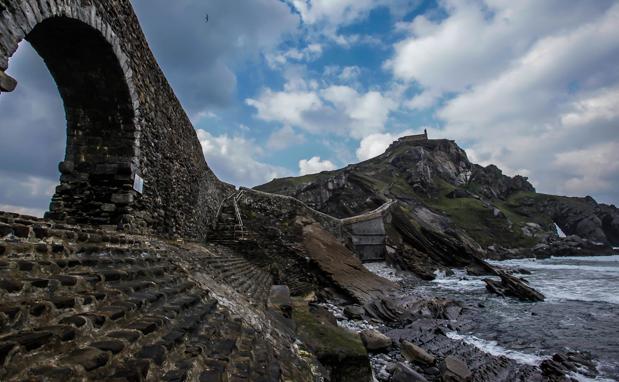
<point>138,183</point>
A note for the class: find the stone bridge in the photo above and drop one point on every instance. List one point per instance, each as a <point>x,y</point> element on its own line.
<point>133,160</point>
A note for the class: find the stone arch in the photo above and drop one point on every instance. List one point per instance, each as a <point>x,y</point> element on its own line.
<point>94,79</point>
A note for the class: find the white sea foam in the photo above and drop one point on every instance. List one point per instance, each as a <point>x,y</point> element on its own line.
<point>493,348</point>
<point>572,278</point>
<point>459,281</point>
<point>383,270</point>
<point>582,378</point>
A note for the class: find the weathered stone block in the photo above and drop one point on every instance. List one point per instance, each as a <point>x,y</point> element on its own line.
<point>455,370</point>
<point>89,358</point>
<point>66,167</point>
<point>113,346</point>
<point>122,198</point>
<point>416,354</point>
<point>7,83</point>
<point>373,340</point>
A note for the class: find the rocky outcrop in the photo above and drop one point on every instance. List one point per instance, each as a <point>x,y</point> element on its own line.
<point>433,181</point>
<point>561,365</point>
<point>511,286</point>
<point>416,354</point>
<point>438,187</point>
<point>570,246</point>
<point>373,340</point>
<point>339,264</point>
<point>586,218</point>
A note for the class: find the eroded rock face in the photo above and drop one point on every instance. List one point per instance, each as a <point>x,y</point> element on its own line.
<point>440,190</point>
<point>513,287</point>
<point>583,217</point>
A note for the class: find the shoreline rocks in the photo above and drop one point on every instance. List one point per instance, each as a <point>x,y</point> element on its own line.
<point>375,341</point>
<point>511,286</point>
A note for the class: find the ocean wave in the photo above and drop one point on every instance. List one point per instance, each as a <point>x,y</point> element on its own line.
<point>459,281</point>
<point>493,348</point>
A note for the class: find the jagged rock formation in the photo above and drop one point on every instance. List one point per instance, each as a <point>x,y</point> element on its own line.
<point>441,191</point>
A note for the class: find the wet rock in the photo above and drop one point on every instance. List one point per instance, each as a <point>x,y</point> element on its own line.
<point>373,340</point>
<point>455,370</point>
<point>383,309</point>
<point>564,363</point>
<point>403,373</point>
<point>354,312</point>
<point>438,308</point>
<point>479,267</point>
<point>570,246</point>
<point>416,354</point>
<point>513,287</point>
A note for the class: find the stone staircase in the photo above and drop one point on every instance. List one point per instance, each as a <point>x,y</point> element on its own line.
<point>228,225</point>
<point>124,317</point>
<point>232,269</point>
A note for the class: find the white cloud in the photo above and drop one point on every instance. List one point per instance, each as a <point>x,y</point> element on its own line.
<point>286,107</point>
<point>202,115</point>
<point>335,109</point>
<point>199,58</point>
<point>235,159</point>
<point>36,212</point>
<point>333,13</point>
<point>284,137</point>
<point>315,165</point>
<point>25,194</point>
<point>595,167</point>
<point>310,52</point>
<point>366,112</point>
<point>350,73</point>
<point>376,144</point>
<point>479,39</point>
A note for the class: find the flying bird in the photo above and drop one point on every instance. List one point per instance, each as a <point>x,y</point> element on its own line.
<point>206,19</point>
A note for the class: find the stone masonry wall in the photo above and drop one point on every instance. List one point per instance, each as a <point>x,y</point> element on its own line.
<point>123,119</point>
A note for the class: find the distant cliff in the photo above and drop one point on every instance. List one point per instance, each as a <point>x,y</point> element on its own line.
<point>439,189</point>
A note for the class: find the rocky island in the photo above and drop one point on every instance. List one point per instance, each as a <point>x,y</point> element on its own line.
<point>147,267</point>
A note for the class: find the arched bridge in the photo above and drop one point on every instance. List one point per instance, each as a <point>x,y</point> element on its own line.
<point>132,158</point>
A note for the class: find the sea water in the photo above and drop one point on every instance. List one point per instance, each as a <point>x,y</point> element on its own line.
<point>580,312</point>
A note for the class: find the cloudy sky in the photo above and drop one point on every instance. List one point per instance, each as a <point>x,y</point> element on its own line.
<point>287,87</point>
